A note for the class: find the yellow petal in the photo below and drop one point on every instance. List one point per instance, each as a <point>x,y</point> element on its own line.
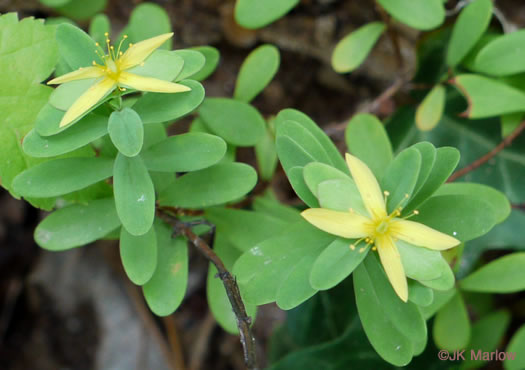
<point>150,84</point>
<point>87,100</point>
<point>367,185</point>
<point>79,74</point>
<point>344,224</point>
<point>137,53</point>
<point>421,235</point>
<point>391,261</point>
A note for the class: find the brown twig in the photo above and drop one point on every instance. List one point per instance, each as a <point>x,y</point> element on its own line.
<point>482,160</point>
<point>230,284</point>
<point>174,341</point>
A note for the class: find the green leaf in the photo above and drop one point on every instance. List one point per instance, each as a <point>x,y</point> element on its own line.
<point>266,154</point>
<point>236,122</point>
<point>185,153</point>
<point>161,107</point>
<point>327,144</point>
<point>81,9</point>
<point>261,270</point>
<point>256,72</point>
<point>430,111</point>
<point>488,97</point>
<point>98,26</point>
<point>379,309</point>
<point>156,19</point>
<point>440,299</point>
<point>317,172</point>
<point>340,195</point>
<point>89,129</point>
<point>256,14</point>
<point>420,263</point>
<point>452,326</point>
<point>54,3</point>
<point>471,24</point>
<point>218,301</point>
<point>463,216</point>
<point>516,344</point>
<point>447,159</point>
<point>212,56</point>
<point>296,179</point>
<point>499,276</point>
<point>215,185</point>
<point>244,229</point>
<point>25,43</point>
<point>273,207</point>
<point>194,62</point>
<point>162,64</point>
<point>334,264</point>
<point>401,177</point>
<point>419,294</point>
<point>419,14</point>
<point>501,56</point>
<point>487,334</point>
<point>139,255</point>
<point>366,139</point>
<point>47,179</point>
<point>67,93</point>
<point>134,194</point>
<point>77,225</point>
<point>500,206</point>
<point>428,158</point>
<point>443,283</point>
<point>166,288</point>
<point>126,131</point>
<point>353,49</point>
<point>76,47</point>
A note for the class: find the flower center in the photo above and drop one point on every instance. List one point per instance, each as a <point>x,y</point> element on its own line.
<point>382,226</point>
<point>111,65</point>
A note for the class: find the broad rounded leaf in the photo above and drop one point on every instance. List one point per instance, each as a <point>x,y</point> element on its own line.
<point>367,139</point>
<point>504,275</point>
<point>212,56</point>
<point>501,57</point>
<point>161,107</point>
<point>184,153</point>
<point>516,344</point>
<point>256,14</point>
<point>155,17</point>
<point>134,194</point>
<point>256,72</point>
<point>236,122</point>
<point>194,62</point>
<point>126,131</point>
<point>81,9</point>
<point>62,176</point>
<point>353,49</point>
<point>77,225</point>
<point>420,263</point>
<point>98,26</point>
<point>67,93</point>
<point>430,111</point>
<point>76,47</point>
<point>472,22</point>
<point>418,14</point>
<point>162,64</point>
<point>138,255</point>
<point>166,288</point>
<point>215,185</point>
<point>488,97</point>
<point>452,326</point>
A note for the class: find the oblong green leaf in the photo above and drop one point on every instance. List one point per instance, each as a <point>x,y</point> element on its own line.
<point>215,185</point>
<point>353,49</point>
<point>452,326</point>
<point>501,56</point>
<point>256,14</point>
<point>162,64</point>
<point>504,275</point>
<point>266,154</point>
<point>317,172</point>
<point>134,194</point>
<point>98,26</point>
<point>472,22</point>
<point>418,14</point>
<point>166,288</point>
<point>488,97</point>
<point>420,294</point>
<point>367,139</point>
<point>184,153</point>
<point>67,93</point>
<point>138,255</point>
<point>194,62</point>
<point>516,344</point>
<point>157,19</point>
<point>126,131</point>
<point>212,57</point>
<point>91,128</point>
<point>62,176</point>
<point>335,263</point>
<point>256,72</point>
<point>161,107</point>
<point>236,122</point>
<point>420,263</point>
<point>76,47</point>
<point>431,109</point>
<point>77,225</point>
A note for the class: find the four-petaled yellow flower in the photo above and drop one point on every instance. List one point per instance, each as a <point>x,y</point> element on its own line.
<point>114,73</point>
<point>377,227</point>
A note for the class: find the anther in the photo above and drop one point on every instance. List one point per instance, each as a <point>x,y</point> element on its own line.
<point>362,249</point>
<point>374,248</point>
<point>416,212</point>
<point>106,34</point>
<point>352,247</point>
<point>94,63</point>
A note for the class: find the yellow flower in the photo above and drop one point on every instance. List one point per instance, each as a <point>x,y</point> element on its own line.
<point>114,73</point>
<point>377,227</point>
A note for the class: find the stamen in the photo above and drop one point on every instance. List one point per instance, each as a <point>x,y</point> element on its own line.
<point>352,247</point>
<point>414,213</point>
<point>362,249</point>
<point>119,53</point>
<point>386,194</point>
<point>374,248</point>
